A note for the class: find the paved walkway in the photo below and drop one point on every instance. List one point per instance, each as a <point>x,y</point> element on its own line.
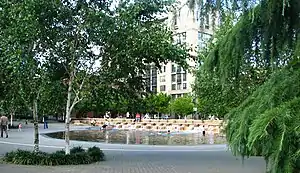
<point>132,158</point>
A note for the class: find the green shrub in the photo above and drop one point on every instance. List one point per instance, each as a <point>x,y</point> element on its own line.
<point>96,154</point>
<point>77,150</point>
<point>77,156</point>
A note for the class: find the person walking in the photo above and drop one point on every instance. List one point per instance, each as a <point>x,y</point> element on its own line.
<point>3,125</point>
<point>20,127</point>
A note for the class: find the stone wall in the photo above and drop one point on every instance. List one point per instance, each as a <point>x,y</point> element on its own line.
<point>155,124</point>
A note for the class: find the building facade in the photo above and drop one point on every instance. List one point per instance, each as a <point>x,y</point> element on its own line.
<point>192,31</point>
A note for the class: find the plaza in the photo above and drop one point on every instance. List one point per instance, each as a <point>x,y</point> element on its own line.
<point>131,158</point>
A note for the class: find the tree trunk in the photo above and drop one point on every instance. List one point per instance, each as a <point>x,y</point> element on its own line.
<point>68,115</point>
<point>36,127</point>
<point>11,119</point>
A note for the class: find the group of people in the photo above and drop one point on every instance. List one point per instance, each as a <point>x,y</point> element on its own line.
<point>4,125</point>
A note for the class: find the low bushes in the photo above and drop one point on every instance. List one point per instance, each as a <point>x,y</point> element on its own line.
<point>77,156</point>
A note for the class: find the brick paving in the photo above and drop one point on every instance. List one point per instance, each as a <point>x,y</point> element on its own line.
<point>134,159</point>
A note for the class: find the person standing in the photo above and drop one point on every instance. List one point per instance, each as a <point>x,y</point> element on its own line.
<point>3,125</point>
<point>138,117</point>
<point>45,122</point>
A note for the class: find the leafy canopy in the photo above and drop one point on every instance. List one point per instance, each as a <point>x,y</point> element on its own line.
<point>182,106</point>
<point>259,56</point>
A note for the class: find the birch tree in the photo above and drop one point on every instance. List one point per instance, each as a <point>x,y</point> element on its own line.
<point>25,35</point>
<point>76,50</point>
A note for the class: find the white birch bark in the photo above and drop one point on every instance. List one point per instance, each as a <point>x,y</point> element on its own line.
<point>36,126</point>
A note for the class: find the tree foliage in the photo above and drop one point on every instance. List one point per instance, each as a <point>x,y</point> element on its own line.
<point>157,103</point>
<point>271,115</point>
<point>258,59</point>
<point>182,106</point>
<point>98,46</point>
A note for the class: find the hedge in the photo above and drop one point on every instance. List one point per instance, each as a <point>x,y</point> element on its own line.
<point>77,156</point>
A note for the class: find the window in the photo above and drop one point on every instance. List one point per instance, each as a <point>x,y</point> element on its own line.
<point>154,89</point>
<point>201,22</point>
<point>179,69</point>
<point>154,80</point>
<point>178,86</point>
<point>207,22</point>
<point>173,77</point>
<point>184,86</point>
<point>162,79</point>
<point>173,68</point>
<point>175,20</point>
<point>197,15</point>
<point>164,69</point>
<point>179,78</point>
<point>184,76</point>
<point>173,86</point>
<point>180,38</point>
<point>178,95</point>
<point>183,37</point>
<point>173,96</point>
<point>202,40</point>
<point>163,88</point>
<point>153,71</point>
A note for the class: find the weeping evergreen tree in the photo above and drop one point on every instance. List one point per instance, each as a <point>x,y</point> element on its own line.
<point>265,39</point>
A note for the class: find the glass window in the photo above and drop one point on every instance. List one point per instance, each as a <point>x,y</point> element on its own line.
<point>173,86</point>
<point>178,95</point>
<point>173,77</point>
<point>154,71</point>
<point>201,21</point>
<point>163,88</point>
<point>173,68</point>
<point>184,76</point>
<point>178,86</point>
<point>207,22</point>
<point>173,96</point>
<point>179,69</point>
<point>162,79</point>
<point>183,37</point>
<point>154,80</point>
<point>175,20</point>
<point>184,86</point>
<point>180,38</point>
<point>203,38</point>
<point>179,78</point>
<point>154,89</point>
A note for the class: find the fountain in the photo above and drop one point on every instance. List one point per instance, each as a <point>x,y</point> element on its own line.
<point>149,132</point>
<point>165,135</point>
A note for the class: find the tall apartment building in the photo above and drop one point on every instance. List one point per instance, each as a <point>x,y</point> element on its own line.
<point>194,32</point>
